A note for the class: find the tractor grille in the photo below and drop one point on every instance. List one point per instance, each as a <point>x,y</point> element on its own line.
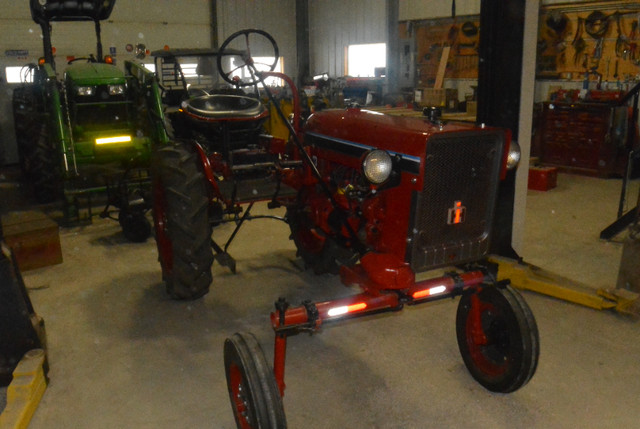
<point>454,212</point>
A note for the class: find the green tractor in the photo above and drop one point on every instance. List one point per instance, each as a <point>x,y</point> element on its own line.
<point>89,130</point>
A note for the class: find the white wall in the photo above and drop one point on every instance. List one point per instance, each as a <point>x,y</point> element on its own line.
<point>336,24</point>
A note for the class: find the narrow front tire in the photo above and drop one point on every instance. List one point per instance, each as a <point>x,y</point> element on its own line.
<point>253,391</point>
<point>498,338</point>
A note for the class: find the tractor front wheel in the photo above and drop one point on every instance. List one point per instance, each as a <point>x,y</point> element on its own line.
<point>253,391</point>
<point>135,226</point>
<point>181,221</point>
<point>498,338</point>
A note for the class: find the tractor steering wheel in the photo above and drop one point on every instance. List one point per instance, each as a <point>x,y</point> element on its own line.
<point>244,40</point>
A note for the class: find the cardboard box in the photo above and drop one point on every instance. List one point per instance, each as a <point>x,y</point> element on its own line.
<point>33,237</point>
<point>472,107</point>
<point>446,98</point>
<point>542,178</point>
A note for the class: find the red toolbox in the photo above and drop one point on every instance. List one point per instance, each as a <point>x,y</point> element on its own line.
<point>542,178</point>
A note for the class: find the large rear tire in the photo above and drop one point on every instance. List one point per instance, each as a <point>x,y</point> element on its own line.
<point>181,221</point>
<point>26,125</point>
<point>44,168</point>
<point>498,338</point>
<point>253,391</point>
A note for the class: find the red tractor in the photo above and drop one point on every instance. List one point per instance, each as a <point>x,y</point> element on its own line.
<point>372,197</point>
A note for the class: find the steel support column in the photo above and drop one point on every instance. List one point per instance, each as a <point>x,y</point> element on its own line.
<point>302,41</point>
<point>214,23</point>
<point>499,84</point>
<point>393,46</point>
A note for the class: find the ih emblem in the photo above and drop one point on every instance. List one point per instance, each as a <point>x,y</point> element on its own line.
<point>456,213</point>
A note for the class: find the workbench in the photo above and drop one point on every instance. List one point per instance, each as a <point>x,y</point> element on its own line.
<point>405,111</point>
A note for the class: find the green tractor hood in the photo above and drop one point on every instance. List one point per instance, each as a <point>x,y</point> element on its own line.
<point>94,74</point>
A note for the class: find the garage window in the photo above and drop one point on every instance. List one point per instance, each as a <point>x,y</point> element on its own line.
<point>19,74</point>
<point>362,60</point>
<point>261,65</point>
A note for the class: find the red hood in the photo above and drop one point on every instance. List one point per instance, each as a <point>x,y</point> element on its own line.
<point>403,134</point>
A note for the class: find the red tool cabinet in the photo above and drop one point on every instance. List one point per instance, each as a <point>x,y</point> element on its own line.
<point>585,138</point>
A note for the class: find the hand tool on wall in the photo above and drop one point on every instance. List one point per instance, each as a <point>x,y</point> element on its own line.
<point>622,41</point>
<point>597,25</point>
<point>597,50</point>
<point>633,45</point>
<point>578,42</point>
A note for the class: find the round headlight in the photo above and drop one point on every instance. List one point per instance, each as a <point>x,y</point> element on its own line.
<point>377,166</point>
<point>514,155</point>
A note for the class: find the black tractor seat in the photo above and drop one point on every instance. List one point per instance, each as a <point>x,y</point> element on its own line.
<point>226,107</point>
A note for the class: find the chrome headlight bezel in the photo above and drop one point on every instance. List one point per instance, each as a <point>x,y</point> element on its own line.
<point>118,89</point>
<point>514,155</point>
<point>377,166</point>
<point>85,91</point>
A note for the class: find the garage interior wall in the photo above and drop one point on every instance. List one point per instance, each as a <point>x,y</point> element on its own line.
<point>336,24</point>
<point>277,18</point>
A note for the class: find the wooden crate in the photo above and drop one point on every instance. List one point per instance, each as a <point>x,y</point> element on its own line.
<point>33,237</point>
<point>472,108</point>
<point>446,98</point>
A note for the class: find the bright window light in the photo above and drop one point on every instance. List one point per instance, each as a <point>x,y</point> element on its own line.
<point>262,64</point>
<point>189,70</point>
<point>18,74</point>
<point>151,67</point>
<point>362,60</point>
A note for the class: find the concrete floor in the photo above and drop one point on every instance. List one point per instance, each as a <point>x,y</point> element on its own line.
<point>123,355</point>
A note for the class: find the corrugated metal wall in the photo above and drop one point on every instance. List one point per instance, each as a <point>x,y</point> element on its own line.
<point>333,25</point>
<point>336,24</point>
<point>276,17</point>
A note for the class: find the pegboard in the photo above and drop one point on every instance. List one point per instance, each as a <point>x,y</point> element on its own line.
<point>603,41</point>
<point>432,36</point>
